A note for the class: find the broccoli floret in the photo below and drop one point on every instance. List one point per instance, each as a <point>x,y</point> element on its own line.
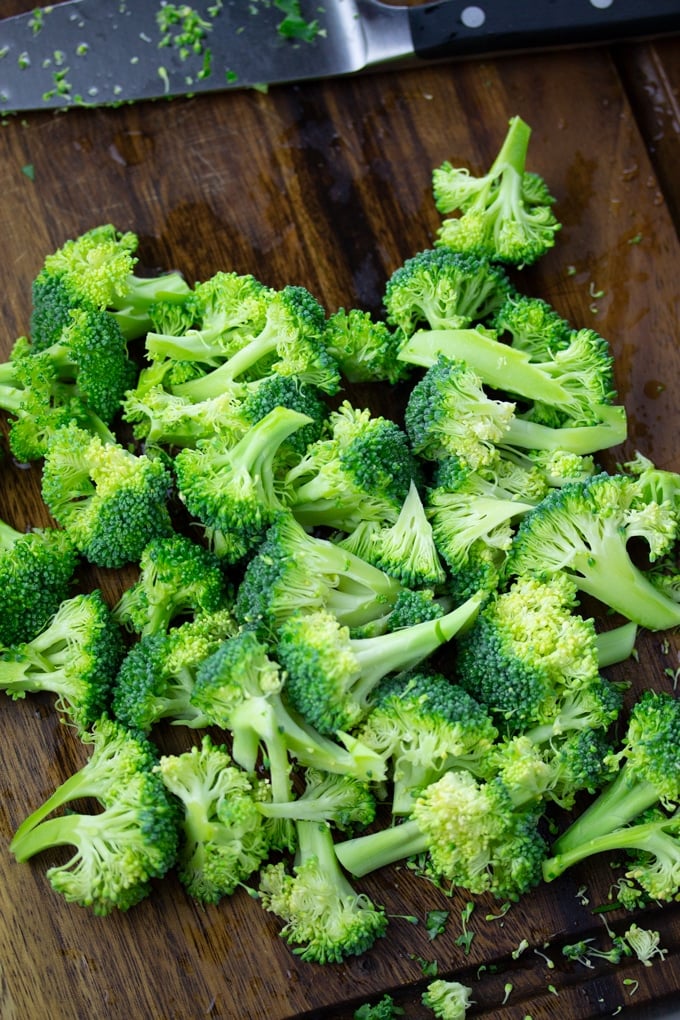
<point>294,570</point>
<point>531,324</point>
<point>583,529</point>
<point>331,676</point>
<point>76,656</point>
<point>364,348</point>
<point>177,578</point>
<point>275,390</point>
<point>385,1009</point>
<point>291,342</point>
<point>157,676</point>
<point>37,568</point>
<point>161,418</point>
<point>227,311</point>
<point>647,771</point>
<point>231,489</point>
<point>576,383</point>
<point>444,289</point>
<point>424,725</point>
<point>121,849</point>
<point>448,1000</point>
<point>471,833</point>
<point>361,471</point>
<point>109,501</point>
<point>223,837</point>
<point>96,271</point>
<point>341,800</point>
<point>506,213</point>
<point>325,918</point>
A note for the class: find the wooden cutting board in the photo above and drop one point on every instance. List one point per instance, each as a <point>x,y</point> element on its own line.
<point>328,185</point>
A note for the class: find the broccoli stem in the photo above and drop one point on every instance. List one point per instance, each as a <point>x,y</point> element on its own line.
<point>610,430</point>
<point>624,799</point>
<point>616,645</point>
<point>628,837</point>
<point>79,785</point>
<point>8,536</point>
<point>513,151</point>
<point>213,383</point>
<point>364,854</point>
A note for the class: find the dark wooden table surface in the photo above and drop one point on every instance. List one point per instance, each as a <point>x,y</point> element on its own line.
<point>328,185</point>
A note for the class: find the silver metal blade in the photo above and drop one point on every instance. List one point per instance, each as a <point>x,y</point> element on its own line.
<point>101,52</point>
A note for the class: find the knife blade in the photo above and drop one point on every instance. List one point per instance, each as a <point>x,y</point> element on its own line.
<point>107,52</point>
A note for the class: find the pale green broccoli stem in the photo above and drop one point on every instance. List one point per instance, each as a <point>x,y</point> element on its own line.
<point>8,535</point>
<point>213,383</point>
<point>629,837</point>
<point>618,804</point>
<point>131,310</point>
<point>363,854</point>
<point>616,645</point>
<point>513,151</point>
<point>610,430</point>
<point>79,785</point>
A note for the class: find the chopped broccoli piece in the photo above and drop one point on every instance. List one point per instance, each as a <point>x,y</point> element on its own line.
<point>231,489</point>
<point>506,213</point>
<point>161,418</point>
<point>444,289</point>
<point>325,918</point>
<point>364,348</point>
<point>76,656</point>
<point>341,800</point>
<point>531,325</point>
<point>275,390</point>
<point>223,838</point>
<point>177,578</point>
<point>448,1000</point>
<point>331,676</point>
<point>109,501</point>
<point>384,1009</point>
<point>37,568</point>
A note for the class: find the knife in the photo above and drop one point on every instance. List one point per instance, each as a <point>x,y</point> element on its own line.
<point>106,52</point>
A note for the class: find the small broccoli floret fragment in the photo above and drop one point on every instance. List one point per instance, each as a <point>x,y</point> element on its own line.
<point>361,472</point>
<point>332,676</point>
<point>122,848</point>
<point>444,289</point>
<point>275,390</point>
<point>505,214</point>
<point>424,725</point>
<point>448,414</point>
<point>472,834</point>
<point>161,418</point>
<point>583,529</point>
<point>177,578</point>
<point>448,1000</point>
<point>324,917</point>
<point>647,776</point>
<point>341,800</point>
<point>291,342</point>
<point>157,676</point>
<point>294,570</point>
<point>531,324</point>
<point>96,270</point>
<point>76,657</point>
<point>385,1009</point>
<point>109,501</point>
<point>36,571</point>
<point>222,833</point>
<point>364,348</point>
<point>231,489</point>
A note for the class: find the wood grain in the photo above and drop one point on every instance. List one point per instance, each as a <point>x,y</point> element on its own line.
<point>328,185</point>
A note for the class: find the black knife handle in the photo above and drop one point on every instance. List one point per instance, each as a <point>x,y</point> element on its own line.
<point>455,28</point>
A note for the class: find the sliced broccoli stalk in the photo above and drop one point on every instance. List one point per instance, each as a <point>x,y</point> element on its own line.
<point>76,656</point>
<point>345,802</point>
<point>324,917</point>
<point>616,644</point>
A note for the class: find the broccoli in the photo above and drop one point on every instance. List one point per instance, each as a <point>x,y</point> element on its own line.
<point>341,800</point>
<point>384,1009</point>
<point>231,489</point>
<point>424,725</point>
<point>325,918</point>
<point>37,568</point>
<point>444,289</point>
<point>448,1000</point>
<point>294,570</point>
<point>532,325</point>
<point>415,606</point>
<point>109,501</point>
<point>227,310</point>
<point>647,771</point>
<point>471,833</point>
<point>178,578</point>
<point>291,342</point>
<point>505,214</point>
<point>76,656</point>
<point>95,271</point>
<point>223,837</point>
<point>448,414</point>
<point>583,530</point>
<point>123,847</point>
<point>331,676</point>
<point>365,349</point>
<point>362,471</point>
<point>161,418</point>
<point>275,390</point>
<point>157,676</point>
<point>576,382</point>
